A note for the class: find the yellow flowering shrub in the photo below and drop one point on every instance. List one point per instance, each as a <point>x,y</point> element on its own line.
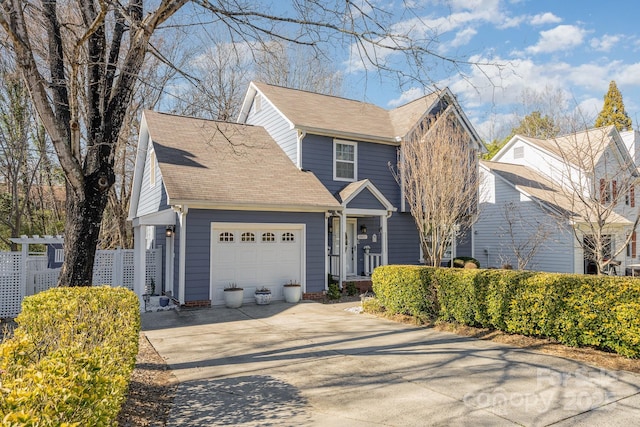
<point>70,359</point>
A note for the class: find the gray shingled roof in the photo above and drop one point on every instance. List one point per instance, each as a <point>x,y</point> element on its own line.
<point>312,111</point>
<point>582,149</point>
<point>541,188</point>
<point>225,164</point>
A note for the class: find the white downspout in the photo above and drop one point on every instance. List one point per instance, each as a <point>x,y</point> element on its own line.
<point>301,135</point>
<point>343,248</point>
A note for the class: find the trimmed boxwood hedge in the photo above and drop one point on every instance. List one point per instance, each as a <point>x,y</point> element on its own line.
<point>576,310</point>
<point>70,359</point>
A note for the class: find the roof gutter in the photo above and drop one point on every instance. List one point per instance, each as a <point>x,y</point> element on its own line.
<point>247,206</point>
<point>347,135</point>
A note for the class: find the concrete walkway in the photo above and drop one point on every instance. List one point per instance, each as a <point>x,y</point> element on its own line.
<point>326,365</point>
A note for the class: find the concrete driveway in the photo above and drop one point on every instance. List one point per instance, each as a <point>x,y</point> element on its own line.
<point>326,365</point>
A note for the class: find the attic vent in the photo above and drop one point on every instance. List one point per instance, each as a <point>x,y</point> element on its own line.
<point>518,152</point>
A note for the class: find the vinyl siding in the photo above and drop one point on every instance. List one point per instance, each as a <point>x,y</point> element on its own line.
<point>276,125</point>
<point>373,160</point>
<point>365,200</point>
<point>373,164</point>
<point>152,198</point>
<point>198,250</point>
<point>493,246</point>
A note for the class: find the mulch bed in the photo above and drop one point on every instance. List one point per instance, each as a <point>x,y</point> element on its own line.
<point>151,390</point>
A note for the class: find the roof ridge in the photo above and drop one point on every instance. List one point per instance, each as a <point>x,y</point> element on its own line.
<point>319,94</point>
<point>183,116</point>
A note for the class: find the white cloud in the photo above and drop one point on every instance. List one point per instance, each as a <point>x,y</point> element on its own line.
<point>627,75</point>
<point>562,37</point>
<point>589,109</point>
<point>545,18</point>
<point>407,96</point>
<point>605,43</point>
<point>463,37</point>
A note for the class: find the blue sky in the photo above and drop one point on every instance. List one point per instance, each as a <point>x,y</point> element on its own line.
<point>577,47</point>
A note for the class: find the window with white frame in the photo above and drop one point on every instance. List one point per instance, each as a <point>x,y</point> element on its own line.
<point>152,168</point>
<point>345,155</point>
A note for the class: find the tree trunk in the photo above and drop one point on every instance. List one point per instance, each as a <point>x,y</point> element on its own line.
<point>82,228</point>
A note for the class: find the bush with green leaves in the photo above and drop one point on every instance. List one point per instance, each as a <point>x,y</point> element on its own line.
<point>334,291</point>
<point>577,310</point>
<point>406,289</point>
<point>70,359</point>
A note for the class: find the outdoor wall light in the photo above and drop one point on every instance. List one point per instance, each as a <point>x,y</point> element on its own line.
<point>330,228</point>
<point>170,231</point>
<point>363,229</point>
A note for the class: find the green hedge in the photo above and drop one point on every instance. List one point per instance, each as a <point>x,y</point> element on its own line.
<point>577,310</point>
<point>71,357</point>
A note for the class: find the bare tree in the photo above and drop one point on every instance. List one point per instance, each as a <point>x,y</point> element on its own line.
<point>154,78</point>
<point>81,58</point>
<point>525,236</point>
<point>22,154</point>
<point>597,180</point>
<point>297,67</point>
<point>438,174</point>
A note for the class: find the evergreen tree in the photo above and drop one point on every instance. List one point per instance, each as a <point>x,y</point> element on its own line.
<point>613,112</point>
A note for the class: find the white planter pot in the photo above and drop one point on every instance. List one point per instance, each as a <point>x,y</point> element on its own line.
<point>233,298</point>
<point>292,293</point>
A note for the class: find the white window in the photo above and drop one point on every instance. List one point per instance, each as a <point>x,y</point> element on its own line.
<point>288,237</point>
<point>345,155</point>
<point>152,168</point>
<point>59,256</point>
<point>258,103</point>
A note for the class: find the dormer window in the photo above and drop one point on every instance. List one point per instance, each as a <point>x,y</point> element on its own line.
<point>344,160</point>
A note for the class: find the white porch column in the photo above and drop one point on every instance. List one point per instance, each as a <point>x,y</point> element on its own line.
<point>327,265</point>
<point>343,248</point>
<point>168,264</point>
<point>139,262</point>
<point>385,241</point>
<point>182,218</point>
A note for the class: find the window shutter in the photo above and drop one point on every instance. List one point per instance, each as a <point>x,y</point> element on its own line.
<point>603,190</point>
<point>632,196</point>
<point>614,191</point>
<point>633,244</point>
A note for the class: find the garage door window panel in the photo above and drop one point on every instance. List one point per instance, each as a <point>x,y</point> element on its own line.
<point>226,237</point>
<point>268,237</point>
<point>248,237</point>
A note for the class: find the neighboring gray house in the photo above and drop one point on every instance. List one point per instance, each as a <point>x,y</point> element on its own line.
<point>530,181</point>
<point>264,202</point>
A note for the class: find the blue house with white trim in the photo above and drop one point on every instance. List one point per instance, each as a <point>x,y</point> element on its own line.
<point>298,190</point>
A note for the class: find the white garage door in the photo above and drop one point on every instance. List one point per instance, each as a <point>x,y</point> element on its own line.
<point>255,255</point>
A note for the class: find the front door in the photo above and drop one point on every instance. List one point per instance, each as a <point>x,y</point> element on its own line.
<point>351,247</point>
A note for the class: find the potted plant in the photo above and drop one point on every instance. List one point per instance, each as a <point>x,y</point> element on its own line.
<point>292,291</point>
<point>263,296</point>
<point>233,296</point>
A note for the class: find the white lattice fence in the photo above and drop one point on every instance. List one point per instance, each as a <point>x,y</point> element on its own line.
<point>112,267</point>
<point>11,283</point>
